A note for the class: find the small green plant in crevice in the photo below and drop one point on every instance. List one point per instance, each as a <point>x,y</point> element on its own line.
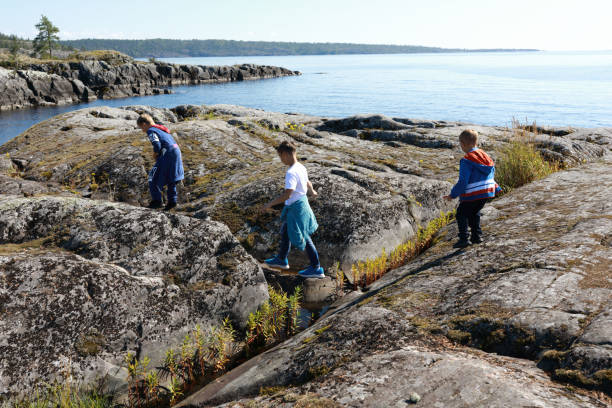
<point>276,320</point>
<point>338,273</point>
<point>519,162</point>
<point>143,385</point>
<point>64,395</point>
<point>204,356</point>
<point>201,357</point>
<point>366,272</point>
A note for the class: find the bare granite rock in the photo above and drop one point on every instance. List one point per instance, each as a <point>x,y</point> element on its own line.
<point>539,288</point>
<point>82,282</point>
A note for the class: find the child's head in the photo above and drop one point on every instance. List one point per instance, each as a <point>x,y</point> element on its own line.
<point>468,139</point>
<point>287,152</point>
<point>145,121</point>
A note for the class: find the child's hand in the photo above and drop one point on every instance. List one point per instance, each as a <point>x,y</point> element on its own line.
<point>448,198</point>
<point>314,193</point>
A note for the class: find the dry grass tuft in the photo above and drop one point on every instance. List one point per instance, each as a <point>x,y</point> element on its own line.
<point>520,163</point>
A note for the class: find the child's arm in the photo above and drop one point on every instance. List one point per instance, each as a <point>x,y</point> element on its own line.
<point>154,139</point>
<point>311,190</point>
<point>464,176</point>
<point>281,199</point>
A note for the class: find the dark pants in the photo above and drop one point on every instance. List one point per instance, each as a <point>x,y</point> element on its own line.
<point>156,187</point>
<point>468,213</point>
<point>285,247</point>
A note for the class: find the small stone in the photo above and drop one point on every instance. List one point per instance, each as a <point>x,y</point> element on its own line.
<point>413,398</point>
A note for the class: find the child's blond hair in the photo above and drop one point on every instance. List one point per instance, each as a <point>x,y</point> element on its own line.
<point>469,137</point>
<point>145,118</point>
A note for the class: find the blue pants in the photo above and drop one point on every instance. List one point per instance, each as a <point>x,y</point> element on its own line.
<point>156,187</point>
<point>285,247</point>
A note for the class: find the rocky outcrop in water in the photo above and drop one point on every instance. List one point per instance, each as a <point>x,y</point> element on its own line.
<point>72,82</point>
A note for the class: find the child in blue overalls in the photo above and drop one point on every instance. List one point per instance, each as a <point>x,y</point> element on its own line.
<point>168,169</point>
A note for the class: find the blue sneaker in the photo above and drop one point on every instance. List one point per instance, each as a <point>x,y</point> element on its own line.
<point>312,272</point>
<point>276,262</point>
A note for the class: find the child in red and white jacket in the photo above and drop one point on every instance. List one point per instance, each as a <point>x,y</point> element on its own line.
<point>475,187</point>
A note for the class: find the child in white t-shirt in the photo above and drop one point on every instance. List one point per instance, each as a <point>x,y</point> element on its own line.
<point>298,220</point>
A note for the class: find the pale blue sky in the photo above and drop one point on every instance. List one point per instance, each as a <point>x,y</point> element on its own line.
<point>542,24</point>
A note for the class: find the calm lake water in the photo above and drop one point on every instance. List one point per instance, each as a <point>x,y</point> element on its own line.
<point>552,88</point>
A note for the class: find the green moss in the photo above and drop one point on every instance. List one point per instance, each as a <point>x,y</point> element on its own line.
<point>459,336</point>
<point>202,285</point>
<point>309,401</point>
<point>426,325</point>
<point>309,339</point>
<point>229,214</point>
<point>227,261</point>
<point>574,377</point>
<point>318,371</point>
<point>36,244</point>
<point>248,242</point>
<point>604,378</point>
<point>321,330</point>
<point>269,391</point>
<point>90,344</point>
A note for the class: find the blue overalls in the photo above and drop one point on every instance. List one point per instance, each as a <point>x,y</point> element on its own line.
<point>168,169</point>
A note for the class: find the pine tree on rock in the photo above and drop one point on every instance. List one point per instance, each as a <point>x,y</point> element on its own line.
<point>47,36</point>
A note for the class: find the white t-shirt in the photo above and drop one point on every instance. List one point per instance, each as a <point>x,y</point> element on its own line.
<point>296,179</point>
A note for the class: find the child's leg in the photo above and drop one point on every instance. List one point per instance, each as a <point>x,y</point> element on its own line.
<point>313,255</point>
<point>154,188</point>
<point>474,220</point>
<point>285,244</point>
<point>462,220</point>
<point>171,193</point>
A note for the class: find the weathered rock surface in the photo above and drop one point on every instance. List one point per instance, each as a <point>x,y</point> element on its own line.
<point>232,169</point>
<point>71,82</point>
<point>82,282</point>
<point>374,193</point>
<point>540,287</point>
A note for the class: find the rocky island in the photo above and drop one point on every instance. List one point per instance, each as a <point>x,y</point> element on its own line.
<point>114,75</point>
<point>87,274</point>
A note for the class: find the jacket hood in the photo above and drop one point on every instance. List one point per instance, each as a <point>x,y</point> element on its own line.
<point>480,161</point>
<point>161,127</point>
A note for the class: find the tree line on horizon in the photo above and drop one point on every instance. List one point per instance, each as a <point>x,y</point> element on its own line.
<point>48,39</point>
<point>161,48</point>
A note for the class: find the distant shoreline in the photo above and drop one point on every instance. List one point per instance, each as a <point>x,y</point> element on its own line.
<point>166,48</point>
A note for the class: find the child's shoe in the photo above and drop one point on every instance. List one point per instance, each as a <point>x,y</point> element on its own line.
<point>155,204</point>
<point>476,240</point>
<point>462,243</point>
<point>312,272</point>
<point>169,206</point>
<point>276,262</point>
